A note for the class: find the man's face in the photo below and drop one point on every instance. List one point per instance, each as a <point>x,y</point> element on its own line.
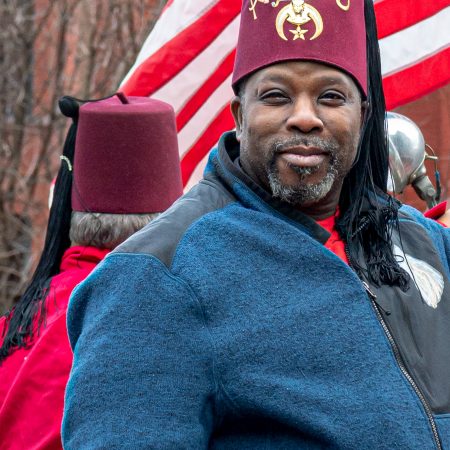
<point>298,124</point>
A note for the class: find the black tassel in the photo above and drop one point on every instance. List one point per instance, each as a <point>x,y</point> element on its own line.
<point>376,241</point>
<point>368,214</point>
<point>21,324</point>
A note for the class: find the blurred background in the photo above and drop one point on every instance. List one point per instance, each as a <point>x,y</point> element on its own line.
<point>50,48</point>
<point>85,48</point>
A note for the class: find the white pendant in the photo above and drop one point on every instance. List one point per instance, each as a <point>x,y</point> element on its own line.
<point>428,280</point>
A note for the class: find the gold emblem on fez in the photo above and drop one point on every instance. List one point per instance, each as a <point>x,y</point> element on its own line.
<point>253,4</point>
<point>298,13</point>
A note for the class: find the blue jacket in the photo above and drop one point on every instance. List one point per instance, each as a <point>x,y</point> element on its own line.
<point>226,324</point>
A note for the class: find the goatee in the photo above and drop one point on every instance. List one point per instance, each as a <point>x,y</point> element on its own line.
<point>304,193</point>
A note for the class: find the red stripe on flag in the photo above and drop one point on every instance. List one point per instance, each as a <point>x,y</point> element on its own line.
<point>223,121</point>
<point>205,91</point>
<point>396,15</point>
<point>416,81</point>
<point>176,54</point>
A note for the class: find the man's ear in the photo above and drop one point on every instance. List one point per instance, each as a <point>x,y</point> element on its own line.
<point>236,110</point>
<point>364,110</point>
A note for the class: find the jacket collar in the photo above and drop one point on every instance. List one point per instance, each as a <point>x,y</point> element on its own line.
<point>225,162</point>
<point>82,257</point>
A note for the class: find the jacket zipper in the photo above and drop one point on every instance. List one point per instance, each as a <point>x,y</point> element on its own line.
<point>402,366</point>
<point>399,359</point>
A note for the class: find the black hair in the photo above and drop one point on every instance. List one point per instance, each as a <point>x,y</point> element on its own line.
<point>368,214</point>
<point>20,325</point>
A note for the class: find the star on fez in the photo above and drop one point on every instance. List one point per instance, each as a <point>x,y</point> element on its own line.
<point>298,33</point>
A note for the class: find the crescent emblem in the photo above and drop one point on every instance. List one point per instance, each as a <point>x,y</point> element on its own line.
<point>317,19</point>
<point>343,7</point>
<point>283,15</point>
<point>307,13</point>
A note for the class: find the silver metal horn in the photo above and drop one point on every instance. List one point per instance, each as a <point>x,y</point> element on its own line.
<point>407,154</point>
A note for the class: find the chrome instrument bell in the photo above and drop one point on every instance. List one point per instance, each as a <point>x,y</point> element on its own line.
<point>407,155</point>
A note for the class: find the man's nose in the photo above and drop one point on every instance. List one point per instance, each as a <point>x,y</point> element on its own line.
<point>304,117</point>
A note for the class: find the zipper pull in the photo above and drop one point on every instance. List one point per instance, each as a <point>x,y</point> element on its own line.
<point>373,297</point>
<point>367,288</point>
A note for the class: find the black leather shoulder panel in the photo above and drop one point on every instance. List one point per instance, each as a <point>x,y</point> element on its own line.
<point>160,238</point>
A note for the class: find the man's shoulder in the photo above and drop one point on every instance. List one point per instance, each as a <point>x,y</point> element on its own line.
<point>412,218</point>
<point>160,238</point>
<point>408,213</point>
<point>418,228</point>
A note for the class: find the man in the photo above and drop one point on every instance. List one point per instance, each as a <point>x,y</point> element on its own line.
<point>123,173</point>
<point>285,302</point>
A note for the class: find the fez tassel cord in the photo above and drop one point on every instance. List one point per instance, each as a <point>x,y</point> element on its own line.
<point>67,161</point>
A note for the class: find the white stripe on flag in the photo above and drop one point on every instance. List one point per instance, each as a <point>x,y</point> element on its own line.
<point>178,16</point>
<point>197,174</point>
<point>203,117</point>
<point>415,43</point>
<point>181,88</point>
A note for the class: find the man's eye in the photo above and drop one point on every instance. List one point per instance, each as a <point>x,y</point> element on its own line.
<point>333,96</point>
<point>274,96</point>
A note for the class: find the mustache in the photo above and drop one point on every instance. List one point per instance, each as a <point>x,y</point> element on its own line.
<point>330,145</point>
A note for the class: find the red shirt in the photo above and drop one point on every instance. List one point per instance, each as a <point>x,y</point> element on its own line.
<point>337,246</point>
<point>334,243</point>
<point>32,381</point>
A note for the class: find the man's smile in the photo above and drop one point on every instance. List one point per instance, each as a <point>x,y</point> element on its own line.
<point>303,156</point>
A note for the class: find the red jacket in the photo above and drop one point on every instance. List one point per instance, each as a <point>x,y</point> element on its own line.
<point>32,381</point>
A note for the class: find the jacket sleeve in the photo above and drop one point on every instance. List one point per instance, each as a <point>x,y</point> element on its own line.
<point>142,375</point>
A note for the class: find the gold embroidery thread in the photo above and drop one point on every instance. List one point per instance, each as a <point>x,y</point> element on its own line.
<point>343,7</point>
<point>253,4</point>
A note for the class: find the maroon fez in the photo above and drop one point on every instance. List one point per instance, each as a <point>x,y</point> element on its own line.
<point>126,157</point>
<point>327,31</point>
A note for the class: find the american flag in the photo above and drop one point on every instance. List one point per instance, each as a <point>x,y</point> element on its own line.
<point>187,61</point>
